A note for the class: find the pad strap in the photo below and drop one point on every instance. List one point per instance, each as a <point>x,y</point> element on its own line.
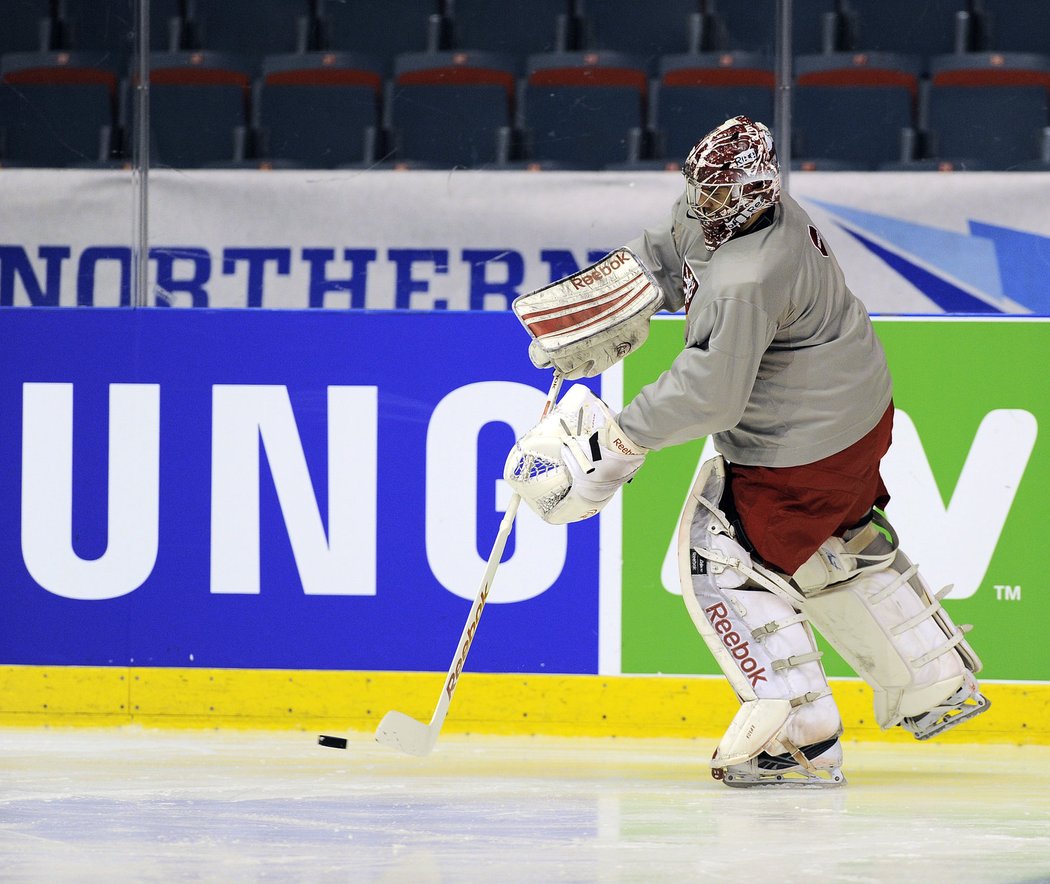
<point>797,660</point>
<point>749,619</point>
<point>776,625</point>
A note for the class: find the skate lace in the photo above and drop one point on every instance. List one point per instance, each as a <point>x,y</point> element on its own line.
<point>765,761</point>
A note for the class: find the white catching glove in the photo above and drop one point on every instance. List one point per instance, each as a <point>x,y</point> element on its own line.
<point>568,467</point>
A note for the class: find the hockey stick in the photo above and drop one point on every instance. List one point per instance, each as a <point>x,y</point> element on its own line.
<point>406,733</point>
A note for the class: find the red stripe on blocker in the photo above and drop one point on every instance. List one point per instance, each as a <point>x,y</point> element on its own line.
<point>567,322</point>
<point>600,297</point>
<point>585,318</point>
<point>619,308</point>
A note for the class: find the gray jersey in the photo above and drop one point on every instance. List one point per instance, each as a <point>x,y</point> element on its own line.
<point>780,364</point>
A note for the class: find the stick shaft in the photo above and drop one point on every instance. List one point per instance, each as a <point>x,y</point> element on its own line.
<point>474,617</point>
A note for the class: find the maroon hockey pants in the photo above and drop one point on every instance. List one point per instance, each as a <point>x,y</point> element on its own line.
<point>788,512</point>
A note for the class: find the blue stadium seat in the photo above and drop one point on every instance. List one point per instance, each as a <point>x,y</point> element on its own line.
<point>381,27</point>
<point>664,28</point>
<point>27,26</point>
<point>990,107</point>
<point>584,109</point>
<point>650,165</point>
<point>817,26</point>
<point>1032,166</point>
<point>250,28</point>
<point>697,92</point>
<point>56,109</point>
<point>934,165</point>
<point>517,29</point>
<point>109,26</point>
<point>855,107</point>
<point>453,108</point>
<point>536,165</point>
<point>318,109</point>
<point>1014,25</point>
<point>390,165</point>
<point>825,165</point>
<point>199,107</point>
<point>910,27</point>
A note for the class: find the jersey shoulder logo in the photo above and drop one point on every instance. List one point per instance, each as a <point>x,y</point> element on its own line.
<point>689,283</point>
<point>817,240</point>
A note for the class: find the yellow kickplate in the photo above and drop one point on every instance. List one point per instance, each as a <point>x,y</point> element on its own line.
<point>585,705</point>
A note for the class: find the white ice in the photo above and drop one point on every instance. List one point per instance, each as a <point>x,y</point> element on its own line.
<point>130,804</point>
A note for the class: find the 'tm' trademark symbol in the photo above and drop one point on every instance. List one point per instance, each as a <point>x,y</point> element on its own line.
<point>1007,593</point>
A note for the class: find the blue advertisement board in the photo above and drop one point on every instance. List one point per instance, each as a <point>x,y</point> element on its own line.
<point>276,489</point>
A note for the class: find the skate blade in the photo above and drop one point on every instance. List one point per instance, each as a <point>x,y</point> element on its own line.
<point>826,779</point>
<point>954,718</point>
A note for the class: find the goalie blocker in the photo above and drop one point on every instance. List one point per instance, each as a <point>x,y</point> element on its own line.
<point>589,321</point>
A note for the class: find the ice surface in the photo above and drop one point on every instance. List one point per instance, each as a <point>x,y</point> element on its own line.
<point>94,805</point>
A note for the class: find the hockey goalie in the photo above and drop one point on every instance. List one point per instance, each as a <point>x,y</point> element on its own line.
<point>784,530</point>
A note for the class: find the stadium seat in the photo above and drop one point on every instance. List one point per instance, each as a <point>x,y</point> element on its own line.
<point>390,165</point>
<point>249,28</point>
<point>910,27</point>
<point>695,93</point>
<point>856,107</point>
<point>817,26</point>
<point>318,109</point>
<point>199,107</point>
<point>109,25</point>
<point>453,108</point>
<point>664,28</point>
<point>988,107</point>
<point>258,164</point>
<point>826,165</point>
<point>381,27</point>
<point>518,29</point>
<point>1014,25</point>
<point>27,26</point>
<point>650,165</point>
<point>1032,166</point>
<point>57,109</point>
<point>536,165</point>
<point>584,109</point>
<point>934,165</point>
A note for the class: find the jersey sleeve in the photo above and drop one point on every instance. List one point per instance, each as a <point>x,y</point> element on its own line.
<point>707,387</point>
<point>657,249</point>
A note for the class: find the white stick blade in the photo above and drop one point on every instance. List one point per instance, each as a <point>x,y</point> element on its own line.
<point>404,733</point>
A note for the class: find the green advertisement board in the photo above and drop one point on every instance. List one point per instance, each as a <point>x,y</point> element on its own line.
<point>969,473</point>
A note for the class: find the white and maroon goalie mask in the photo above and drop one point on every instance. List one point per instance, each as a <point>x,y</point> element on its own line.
<point>731,174</point>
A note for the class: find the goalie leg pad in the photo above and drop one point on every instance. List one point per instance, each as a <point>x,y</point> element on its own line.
<point>896,635</point>
<point>765,647</point>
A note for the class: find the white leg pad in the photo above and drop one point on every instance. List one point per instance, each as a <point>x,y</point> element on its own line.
<point>762,643</point>
<point>789,676</point>
<point>893,631</point>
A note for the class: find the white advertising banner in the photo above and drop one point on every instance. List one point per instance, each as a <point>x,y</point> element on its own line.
<point>471,240</point>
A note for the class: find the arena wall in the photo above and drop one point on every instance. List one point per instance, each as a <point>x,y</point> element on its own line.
<point>278,517</point>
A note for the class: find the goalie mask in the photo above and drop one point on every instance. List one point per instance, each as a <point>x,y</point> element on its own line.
<point>731,175</point>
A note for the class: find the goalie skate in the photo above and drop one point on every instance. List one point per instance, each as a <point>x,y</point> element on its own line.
<point>960,707</point>
<point>815,766</point>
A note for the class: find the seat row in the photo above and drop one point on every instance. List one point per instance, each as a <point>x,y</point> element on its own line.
<point>583,110</point>
<point>256,28</point>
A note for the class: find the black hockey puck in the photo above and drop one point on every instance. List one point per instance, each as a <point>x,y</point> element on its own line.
<point>331,742</point>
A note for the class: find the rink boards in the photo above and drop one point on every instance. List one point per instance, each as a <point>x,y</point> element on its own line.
<point>280,517</point>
